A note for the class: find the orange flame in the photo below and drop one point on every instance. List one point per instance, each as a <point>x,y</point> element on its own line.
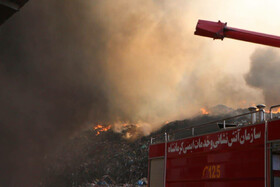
<point>204,111</point>
<point>100,128</point>
<point>129,130</point>
<point>276,110</point>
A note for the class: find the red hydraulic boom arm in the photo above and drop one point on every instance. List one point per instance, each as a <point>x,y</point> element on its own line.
<point>219,30</point>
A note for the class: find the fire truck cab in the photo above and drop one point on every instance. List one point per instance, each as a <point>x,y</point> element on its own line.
<point>243,150</point>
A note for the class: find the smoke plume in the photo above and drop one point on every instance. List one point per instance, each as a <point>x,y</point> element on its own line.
<point>67,65</point>
<point>264,74</point>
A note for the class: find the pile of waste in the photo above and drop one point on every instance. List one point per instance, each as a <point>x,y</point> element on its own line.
<point>107,159</point>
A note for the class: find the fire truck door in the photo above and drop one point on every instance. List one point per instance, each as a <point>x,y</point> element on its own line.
<point>275,161</point>
<point>156,172</point>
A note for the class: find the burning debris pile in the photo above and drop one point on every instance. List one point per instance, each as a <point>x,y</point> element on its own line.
<point>89,156</point>
<point>100,151</point>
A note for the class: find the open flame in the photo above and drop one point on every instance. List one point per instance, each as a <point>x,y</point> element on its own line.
<point>204,111</point>
<point>128,130</point>
<point>132,130</point>
<point>276,110</point>
<point>100,128</point>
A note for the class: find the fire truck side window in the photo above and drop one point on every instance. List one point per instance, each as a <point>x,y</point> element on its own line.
<point>276,167</point>
<point>156,173</point>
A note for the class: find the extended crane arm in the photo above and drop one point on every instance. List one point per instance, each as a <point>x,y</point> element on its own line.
<point>219,30</point>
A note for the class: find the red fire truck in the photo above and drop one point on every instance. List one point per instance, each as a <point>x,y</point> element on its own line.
<point>243,150</point>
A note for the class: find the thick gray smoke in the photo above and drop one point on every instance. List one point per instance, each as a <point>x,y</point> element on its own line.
<point>67,65</point>
<point>50,79</point>
<point>264,74</point>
